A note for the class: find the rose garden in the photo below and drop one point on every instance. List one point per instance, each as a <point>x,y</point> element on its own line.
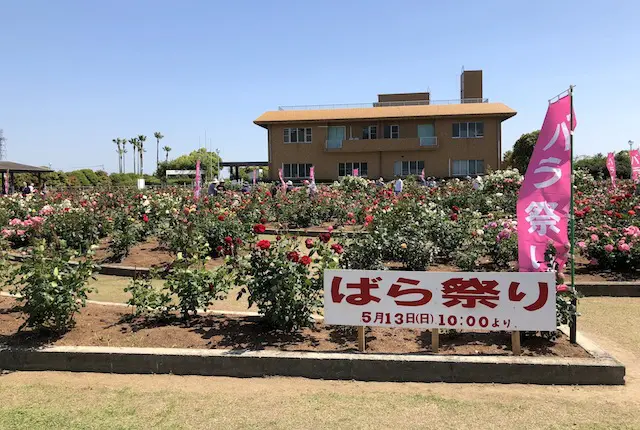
<point>269,253</point>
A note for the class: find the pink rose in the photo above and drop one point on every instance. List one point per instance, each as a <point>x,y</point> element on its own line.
<point>608,248</point>
<point>582,245</point>
<point>561,288</point>
<point>20,232</point>
<point>624,247</point>
<point>594,237</point>
<point>593,262</point>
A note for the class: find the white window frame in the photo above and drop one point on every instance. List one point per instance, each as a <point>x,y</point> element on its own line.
<point>467,170</point>
<point>354,165</point>
<point>297,170</point>
<point>306,131</point>
<point>467,128</point>
<point>391,131</point>
<point>368,129</point>
<point>408,167</point>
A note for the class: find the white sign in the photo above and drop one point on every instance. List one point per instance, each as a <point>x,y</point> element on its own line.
<point>181,172</point>
<point>497,301</point>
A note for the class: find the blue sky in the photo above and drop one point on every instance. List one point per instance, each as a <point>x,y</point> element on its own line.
<point>75,74</point>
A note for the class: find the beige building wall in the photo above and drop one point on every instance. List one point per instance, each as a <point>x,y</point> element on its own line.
<point>380,162</point>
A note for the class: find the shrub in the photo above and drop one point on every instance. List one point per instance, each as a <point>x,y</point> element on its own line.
<point>146,299</point>
<point>50,289</point>
<point>195,286</point>
<point>126,233</point>
<point>285,283</point>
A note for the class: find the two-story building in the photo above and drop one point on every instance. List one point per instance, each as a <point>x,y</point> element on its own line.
<point>399,135</point>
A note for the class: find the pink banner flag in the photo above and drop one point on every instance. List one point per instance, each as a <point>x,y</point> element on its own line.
<point>255,176</point>
<point>635,164</point>
<point>422,175</point>
<point>281,177</point>
<point>312,174</point>
<point>611,166</point>
<point>196,190</point>
<point>355,172</point>
<point>545,195</point>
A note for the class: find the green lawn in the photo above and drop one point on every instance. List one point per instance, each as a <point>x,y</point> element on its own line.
<point>45,400</point>
<point>111,289</point>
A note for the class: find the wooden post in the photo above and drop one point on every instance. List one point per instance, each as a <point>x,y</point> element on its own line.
<point>435,340</point>
<point>515,343</point>
<point>361,340</point>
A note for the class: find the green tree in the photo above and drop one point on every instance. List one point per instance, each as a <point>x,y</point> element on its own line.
<point>134,144</point>
<point>118,143</point>
<point>597,165</point>
<point>167,150</point>
<point>522,150</point>
<point>188,162</point>
<point>507,159</point>
<point>158,137</point>
<point>141,139</point>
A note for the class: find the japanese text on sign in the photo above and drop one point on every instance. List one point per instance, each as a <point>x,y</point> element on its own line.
<point>483,300</point>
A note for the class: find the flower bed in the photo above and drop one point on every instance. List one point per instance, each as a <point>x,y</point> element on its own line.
<point>110,326</point>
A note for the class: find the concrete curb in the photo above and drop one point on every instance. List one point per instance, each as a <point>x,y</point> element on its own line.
<point>602,369</point>
<point>609,289</point>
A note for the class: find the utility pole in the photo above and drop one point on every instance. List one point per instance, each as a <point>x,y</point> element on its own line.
<point>631,142</point>
<point>218,154</point>
<point>3,146</point>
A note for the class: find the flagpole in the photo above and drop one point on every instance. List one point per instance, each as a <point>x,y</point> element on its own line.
<point>574,302</point>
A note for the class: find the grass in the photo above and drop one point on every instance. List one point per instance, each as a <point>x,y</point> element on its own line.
<point>39,400</point>
<point>111,289</point>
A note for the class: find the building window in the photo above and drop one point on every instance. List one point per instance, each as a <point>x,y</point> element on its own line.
<point>296,170</point>
<point>468,129</point>
<point>346,169</point>
<point>370,132</point>
<point>405,168</point>
<point>391,131</point>
<point>297,135</point>
<point>468,167</point>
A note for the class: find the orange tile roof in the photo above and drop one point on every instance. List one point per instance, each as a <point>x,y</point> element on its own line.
<point>419,111</point>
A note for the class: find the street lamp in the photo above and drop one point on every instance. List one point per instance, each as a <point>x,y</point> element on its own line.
<point>630,145</point>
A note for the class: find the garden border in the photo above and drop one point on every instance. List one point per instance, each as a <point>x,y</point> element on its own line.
<point>601,369</point>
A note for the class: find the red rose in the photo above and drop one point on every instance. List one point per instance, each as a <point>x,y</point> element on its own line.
<point>368,218</point>
<point>278,237</point>
<point>293,256</point>
<point>219,249</point>
<point>337,248</point>
<point>308,243</point>
<point>263,244</point>
<point>263,220</point>
<point>456,209</point>
<point>632,212</point>
<point>145,218</point>
<point>221,217</point>
<point>238,241</point>
<point>325,237</point>
<point>305,260</point>
<point>228,239</point>
<point>259,228</point>
<point>454,217</point>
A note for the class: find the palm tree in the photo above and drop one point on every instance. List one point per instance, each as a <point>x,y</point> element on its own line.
<point>124,151</point>
<point>141,139</point>
<point>117,141</point>
<point>158,136</point>
<point>166,150</point>
<point>134,143</point>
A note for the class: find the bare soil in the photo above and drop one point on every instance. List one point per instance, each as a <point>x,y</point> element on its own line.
<point>99,325</point>
<point>145,254</point>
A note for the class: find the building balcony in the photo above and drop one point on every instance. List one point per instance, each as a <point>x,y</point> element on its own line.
<point>382,145</point>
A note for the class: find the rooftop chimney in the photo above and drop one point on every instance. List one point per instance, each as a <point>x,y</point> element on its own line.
<point>471,86</point>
